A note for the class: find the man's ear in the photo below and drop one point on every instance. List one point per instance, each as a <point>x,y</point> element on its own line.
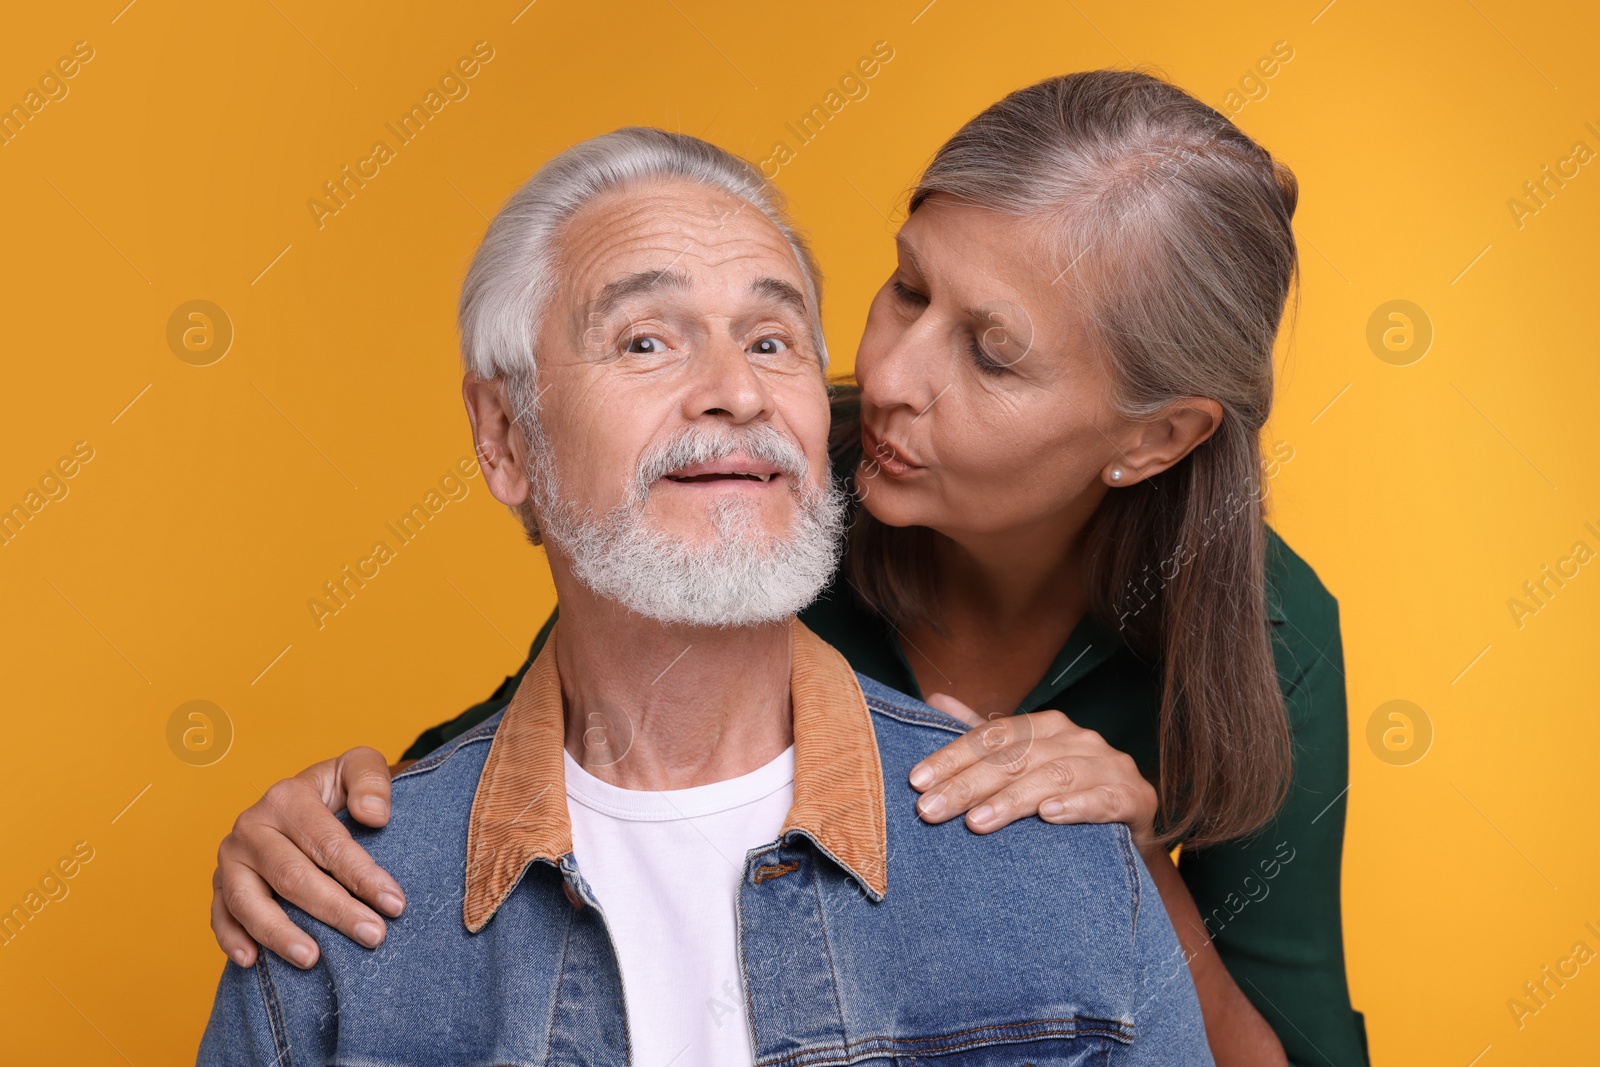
<point>1154,445</point>
<point>502,450</point>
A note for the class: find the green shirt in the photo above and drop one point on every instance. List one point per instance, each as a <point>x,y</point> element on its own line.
<point>1270,902</point>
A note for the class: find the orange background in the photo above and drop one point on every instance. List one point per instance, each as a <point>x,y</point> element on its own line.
<point>179,563</point>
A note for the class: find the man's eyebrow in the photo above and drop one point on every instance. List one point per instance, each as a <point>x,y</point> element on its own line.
<point>781,291</point>
<point>639,283</point>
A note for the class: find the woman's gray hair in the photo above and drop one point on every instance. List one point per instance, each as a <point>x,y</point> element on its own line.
<point>513,274</point>
<point>1170,231</point>
<point>1169,224</point>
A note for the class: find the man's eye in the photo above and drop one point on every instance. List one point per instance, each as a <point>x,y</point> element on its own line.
<point>770,346</point>
<point>647,346</point>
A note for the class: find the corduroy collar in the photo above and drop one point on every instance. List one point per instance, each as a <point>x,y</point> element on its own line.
<point>519,813</point>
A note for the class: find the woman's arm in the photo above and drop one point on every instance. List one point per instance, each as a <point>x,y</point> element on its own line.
<point>290,841</point>
<point>1236,1031</point>
<point>1042,764</point>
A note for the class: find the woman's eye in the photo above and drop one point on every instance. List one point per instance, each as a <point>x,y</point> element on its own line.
<point>647,346</point>
<point>770,346</point>
<point>981,360</point>
<point>907,295</point>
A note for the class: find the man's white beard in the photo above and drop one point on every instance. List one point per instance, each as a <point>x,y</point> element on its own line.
<point>744,577</point>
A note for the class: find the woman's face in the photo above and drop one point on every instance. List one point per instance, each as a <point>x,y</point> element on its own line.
<point>984,408</point>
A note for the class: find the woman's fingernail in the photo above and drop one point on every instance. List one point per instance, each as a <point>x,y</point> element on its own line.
<point>241,957</point>
<point>302,954</point>
<point>390,904</point>
<point>982,813</point>
<point>920,777</point>
<point>931,806</point>
<point>1052,807</point>
<point>376,806</point>
<point>369,934</point>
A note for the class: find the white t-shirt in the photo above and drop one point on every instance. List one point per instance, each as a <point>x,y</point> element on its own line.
<point>665,866</point>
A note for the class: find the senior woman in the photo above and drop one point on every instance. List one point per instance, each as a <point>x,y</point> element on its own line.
<point>1059,536</point>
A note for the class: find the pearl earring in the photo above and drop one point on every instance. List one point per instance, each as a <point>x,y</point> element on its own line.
<point>1116,474</point>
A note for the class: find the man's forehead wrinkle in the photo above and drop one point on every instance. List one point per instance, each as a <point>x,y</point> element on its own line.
<point>605,252</point>
<point>625,241</point>
<point>678,227</point>
<point>676,224</point>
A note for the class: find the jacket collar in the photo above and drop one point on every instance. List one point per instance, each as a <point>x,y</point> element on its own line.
<point>519,813</point>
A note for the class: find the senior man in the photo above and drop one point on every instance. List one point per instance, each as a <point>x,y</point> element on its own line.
<point>690,838</point>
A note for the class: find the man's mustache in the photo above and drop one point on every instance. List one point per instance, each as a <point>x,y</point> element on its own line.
<point>700,444</point>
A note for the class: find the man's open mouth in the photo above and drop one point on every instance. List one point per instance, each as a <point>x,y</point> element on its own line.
<point>721,477</point>
<point>725,470</point>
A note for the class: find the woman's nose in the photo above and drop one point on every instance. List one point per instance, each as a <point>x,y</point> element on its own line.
<point>905,369</point>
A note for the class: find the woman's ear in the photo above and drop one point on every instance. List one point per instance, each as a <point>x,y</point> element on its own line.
<point>502,452</point>
<point>1156,444</point>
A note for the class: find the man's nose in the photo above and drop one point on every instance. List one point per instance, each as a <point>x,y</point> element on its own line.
<point>723,383</point>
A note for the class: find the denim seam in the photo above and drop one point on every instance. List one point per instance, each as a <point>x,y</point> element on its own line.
<point>555,1007</point>
<point>900,1046</point>
<point>482,732</point>
<point>937,720</point>
<point>745,985</point>
<point>827,948</point>
<point>269,999</point>
<point>1135,887</point>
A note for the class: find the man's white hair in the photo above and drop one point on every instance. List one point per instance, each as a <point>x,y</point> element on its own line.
<point>513,277</point>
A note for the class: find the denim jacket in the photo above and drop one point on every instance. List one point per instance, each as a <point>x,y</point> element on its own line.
<point>865,935</point>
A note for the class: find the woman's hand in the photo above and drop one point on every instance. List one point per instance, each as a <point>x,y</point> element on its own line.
<point>1042,764</point>
<point>286,841</point>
